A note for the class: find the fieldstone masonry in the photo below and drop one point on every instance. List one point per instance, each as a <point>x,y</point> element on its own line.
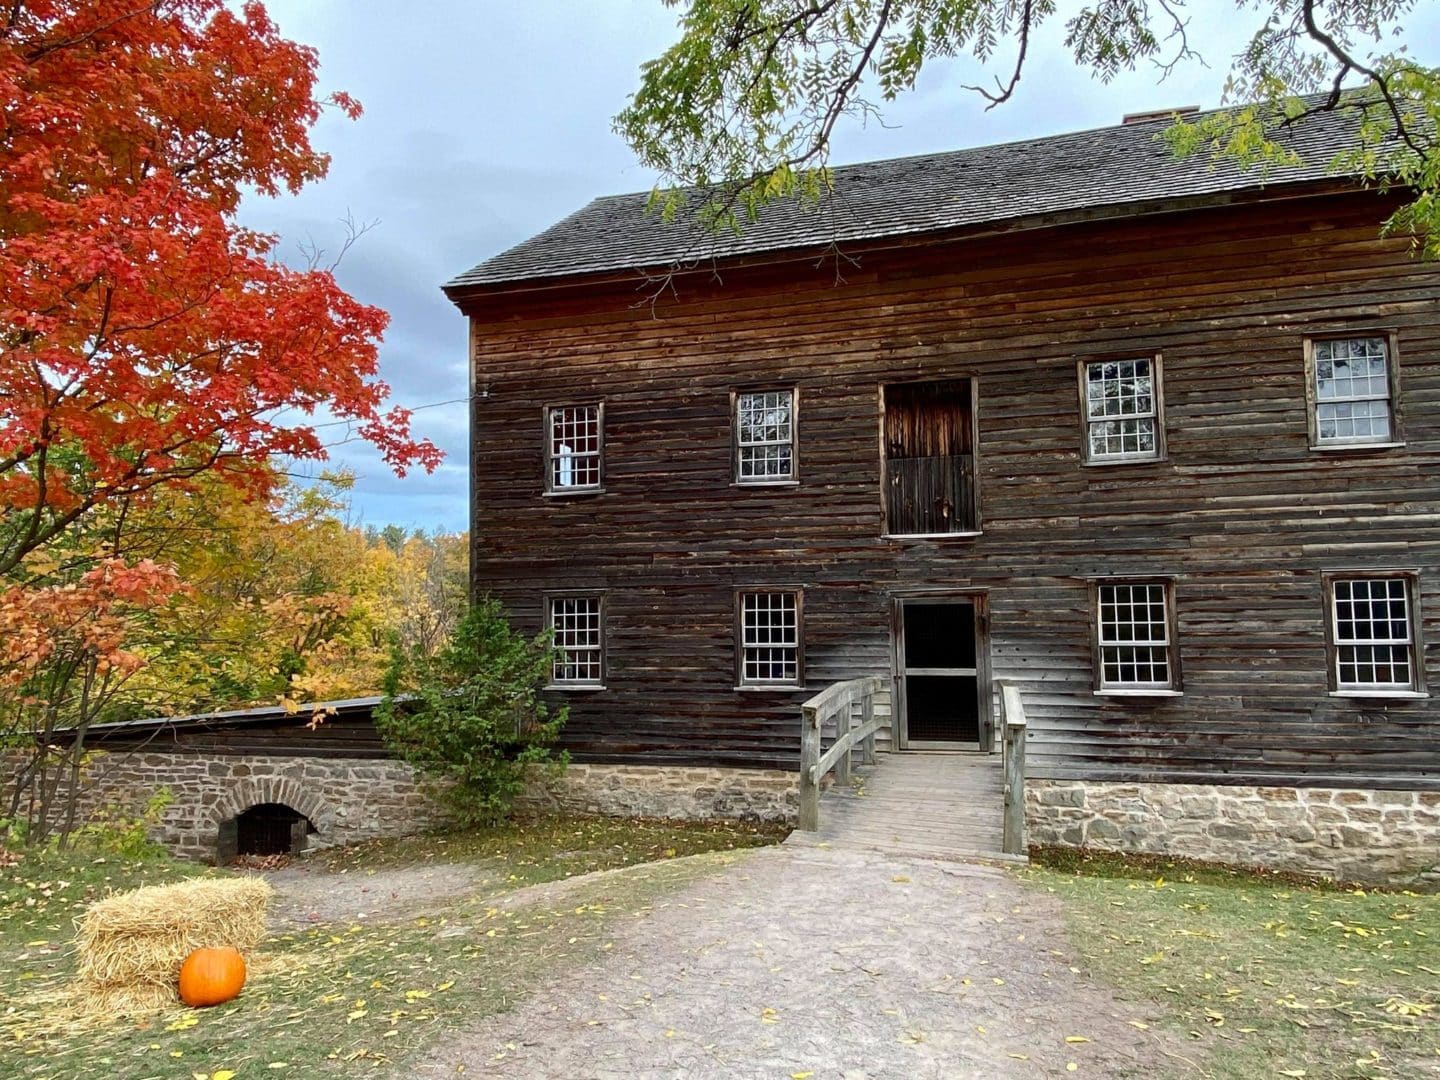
<point>346,800</point>
<point>1365,836</point>
<point>692,794</point>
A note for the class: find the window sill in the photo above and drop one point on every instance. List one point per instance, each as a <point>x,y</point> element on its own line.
<point>932,536</point>
<point>570,688</point>
<point>1101,463</point>
<point>769,688</point>
<point>1137,691</point>
<point>571,493</point>
<point>764,483</point>
<point>1402,695</point>
<point>1331,447</point>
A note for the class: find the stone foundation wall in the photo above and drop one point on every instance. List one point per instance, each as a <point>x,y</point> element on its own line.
<point>692,794</point>
<point>349,800</point>
<point>346,800</point>
<point>1365,836</point>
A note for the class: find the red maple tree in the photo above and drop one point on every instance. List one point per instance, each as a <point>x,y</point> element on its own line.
<point>146,338</point>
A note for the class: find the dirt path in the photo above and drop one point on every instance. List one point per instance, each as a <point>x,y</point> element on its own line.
<point>812,962</point>
<point>307,896</point>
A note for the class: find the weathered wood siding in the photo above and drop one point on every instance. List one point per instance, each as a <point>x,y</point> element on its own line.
<point>1242,513</point>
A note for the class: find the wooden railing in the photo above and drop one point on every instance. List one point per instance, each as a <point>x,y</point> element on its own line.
<point>835,703</point>
<point>1012,718</point>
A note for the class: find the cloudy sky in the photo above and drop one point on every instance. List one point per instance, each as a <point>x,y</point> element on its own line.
<point>488,120</point>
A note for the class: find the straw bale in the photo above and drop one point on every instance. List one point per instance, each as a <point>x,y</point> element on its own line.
<point>132,944</point>
<point>130,1000</point>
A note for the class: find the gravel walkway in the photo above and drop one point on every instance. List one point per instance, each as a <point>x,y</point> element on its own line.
<point>821,963</point>
<point>308,896</point>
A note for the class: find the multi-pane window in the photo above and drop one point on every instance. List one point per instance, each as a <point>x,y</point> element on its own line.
<point>1373,633</point>
<point>573,447</point>
<point>1351,387</point>
<point>769,625</point>
<point>764,436</point>
<point>1136,650</point>
<point>1122,409</point>
<point>575,623</point>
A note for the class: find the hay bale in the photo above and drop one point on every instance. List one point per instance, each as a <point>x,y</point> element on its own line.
<point>131,945</point>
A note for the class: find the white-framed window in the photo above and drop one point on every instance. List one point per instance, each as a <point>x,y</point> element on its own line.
<point>574,448</point>
<point>1135,636</point>
<point>1351,386</point>
<point>577,627</point>
<point>768,634</point>
<point>1372,632</point>
<point>1121,404</point>
<point>764,436</point>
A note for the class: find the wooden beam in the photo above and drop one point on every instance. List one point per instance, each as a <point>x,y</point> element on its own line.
<point>1012,712</point>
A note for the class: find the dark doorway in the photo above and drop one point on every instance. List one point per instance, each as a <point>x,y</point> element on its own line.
<point>270,829</point>
<point>944,696</point>
<point>930,459</point>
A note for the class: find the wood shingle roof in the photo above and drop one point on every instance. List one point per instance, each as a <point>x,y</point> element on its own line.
<point>1104,172</point>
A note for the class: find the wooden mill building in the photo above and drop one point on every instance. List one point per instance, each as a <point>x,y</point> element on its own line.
<point>1155,440</point>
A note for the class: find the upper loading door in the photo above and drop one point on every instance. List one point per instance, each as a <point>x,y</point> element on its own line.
<point>929,468</point>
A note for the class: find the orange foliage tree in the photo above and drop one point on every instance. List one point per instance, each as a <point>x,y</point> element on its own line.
<point>147,341</point>
<point>146,338</point>
<point>64,657</point>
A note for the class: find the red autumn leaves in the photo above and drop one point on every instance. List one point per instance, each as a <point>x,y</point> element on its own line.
<point>145,338</point>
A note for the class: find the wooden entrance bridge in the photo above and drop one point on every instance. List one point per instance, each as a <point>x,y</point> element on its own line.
<point>938,804</point>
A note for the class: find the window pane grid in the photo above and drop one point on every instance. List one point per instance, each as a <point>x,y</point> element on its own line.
<point>765,435</point>
<point>575,625</point>
<point>1134,636</point>
<point>1352,390</point>
<point>769,638</point>
<point>1374,646</point>
<point>1120,409</point>
<point>574,447</point>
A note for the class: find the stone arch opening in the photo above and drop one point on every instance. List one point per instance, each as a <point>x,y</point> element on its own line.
<point>268,828</point>
<point>266,816</point>
<point>271,829</point>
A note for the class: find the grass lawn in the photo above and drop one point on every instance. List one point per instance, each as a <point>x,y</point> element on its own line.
<point>528,852</point>
<point>1263,976</point>
<point>342,998</point>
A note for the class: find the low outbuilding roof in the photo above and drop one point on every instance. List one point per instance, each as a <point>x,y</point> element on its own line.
<point>1088,173</point>
<point>228,718</point>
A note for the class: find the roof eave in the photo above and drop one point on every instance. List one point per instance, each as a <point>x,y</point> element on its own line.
<point>459,292</point>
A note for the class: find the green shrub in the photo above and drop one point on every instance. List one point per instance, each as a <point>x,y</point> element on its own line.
<point>472,718</point>
<point>119,832</point>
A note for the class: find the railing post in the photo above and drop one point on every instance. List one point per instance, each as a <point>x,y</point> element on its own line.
<point>867,713</point>
<point>843,719</point>
<point>809,758</point>
<point>1013,715</point>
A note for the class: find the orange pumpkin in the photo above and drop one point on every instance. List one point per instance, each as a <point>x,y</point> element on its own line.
<point>211,976</point>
